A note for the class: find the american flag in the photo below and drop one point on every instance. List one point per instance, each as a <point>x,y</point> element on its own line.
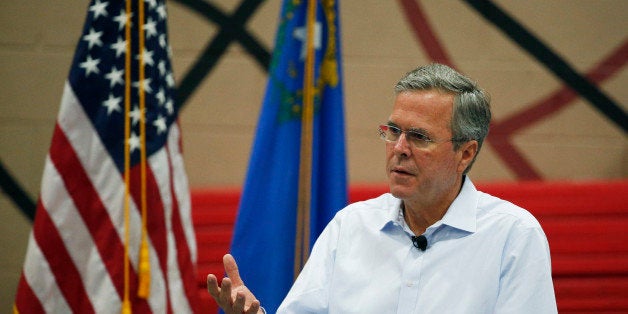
<point>86,219</point>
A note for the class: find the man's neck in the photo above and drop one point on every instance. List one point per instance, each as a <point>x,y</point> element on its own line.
<point>419,215</point>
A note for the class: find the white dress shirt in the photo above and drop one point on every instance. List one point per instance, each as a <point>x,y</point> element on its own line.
<point>485,255</point>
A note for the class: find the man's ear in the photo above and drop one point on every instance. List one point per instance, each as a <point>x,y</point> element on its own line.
<point>467,152</point>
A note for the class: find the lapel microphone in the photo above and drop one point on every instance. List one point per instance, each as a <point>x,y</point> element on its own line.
<point>419,242</point>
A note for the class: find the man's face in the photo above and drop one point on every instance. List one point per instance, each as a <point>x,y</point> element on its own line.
<point>432,171</point>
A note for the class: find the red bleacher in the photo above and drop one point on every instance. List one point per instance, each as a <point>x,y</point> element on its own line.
<point>586,224</point>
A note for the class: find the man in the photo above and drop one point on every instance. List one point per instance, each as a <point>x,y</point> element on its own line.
<point>434,244</point>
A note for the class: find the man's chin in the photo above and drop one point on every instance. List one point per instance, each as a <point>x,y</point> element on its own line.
<point>399,191</point>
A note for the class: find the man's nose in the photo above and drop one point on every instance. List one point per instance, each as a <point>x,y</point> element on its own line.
<point>402,146</point>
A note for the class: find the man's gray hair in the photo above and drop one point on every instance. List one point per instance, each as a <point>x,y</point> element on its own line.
<point>471,111</point>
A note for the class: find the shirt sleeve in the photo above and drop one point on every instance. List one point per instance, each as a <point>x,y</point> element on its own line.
<point>526,276</point>
<point>310,292</point>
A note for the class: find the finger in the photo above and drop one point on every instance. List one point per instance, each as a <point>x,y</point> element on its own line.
<point>225,292</point>
<point>254,308</point>
<point>212,286</point>
<point>232,270</point>
<point>238,304</point>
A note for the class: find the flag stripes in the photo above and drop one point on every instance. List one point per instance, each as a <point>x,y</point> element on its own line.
<point>42,294</point>
<point>89,218</point>
<point>55,252</point>
<point>77,257</point>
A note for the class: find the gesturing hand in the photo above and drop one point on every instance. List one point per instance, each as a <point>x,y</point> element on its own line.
<point>232,295</point>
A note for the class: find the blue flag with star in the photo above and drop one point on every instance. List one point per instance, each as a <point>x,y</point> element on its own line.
<point>264,236</point>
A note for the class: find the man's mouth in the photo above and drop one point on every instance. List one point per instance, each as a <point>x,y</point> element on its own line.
<point>401,170</point>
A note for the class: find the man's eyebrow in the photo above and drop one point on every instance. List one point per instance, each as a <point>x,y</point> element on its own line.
<point>413,129</point>
<point>419,130</point>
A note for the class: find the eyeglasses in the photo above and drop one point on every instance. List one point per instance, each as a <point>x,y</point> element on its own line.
<point>392,134</point>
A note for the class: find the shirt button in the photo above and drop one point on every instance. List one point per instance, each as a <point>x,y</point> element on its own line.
<point>409,284</point>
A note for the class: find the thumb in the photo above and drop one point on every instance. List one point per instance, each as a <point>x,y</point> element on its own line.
<point>231,268</point>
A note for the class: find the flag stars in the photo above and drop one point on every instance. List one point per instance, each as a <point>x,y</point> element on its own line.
<point>161,11</point>
<point>162,67</point>
<point>136,115</point>
<point>90,65</point>
<point>93,38</point>
<point>162,41</point>
<point>151,3</point>
<point>161,96</point>
<point>170,79</point>
<point>301,34</point>
<point>119,46</point>
<point>151,28</point>
<point>99,9</point>
<point>147,56</point>
<point>115,77</point>
<point>145,85</point>
<point>160,124</point>
<point>134,142</point>
<point>112,104</point>
<point>121,19</point>
<point>170,106</point>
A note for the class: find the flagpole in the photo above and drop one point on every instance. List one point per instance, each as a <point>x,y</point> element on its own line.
<point>302,241</point>
<point>144,257</point>
<point>126,303</point>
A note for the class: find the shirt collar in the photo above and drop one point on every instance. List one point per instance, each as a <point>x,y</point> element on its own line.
<point>393,209</point>
<point>461,214</point>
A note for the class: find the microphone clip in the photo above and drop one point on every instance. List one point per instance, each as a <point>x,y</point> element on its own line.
<point>420,242</point>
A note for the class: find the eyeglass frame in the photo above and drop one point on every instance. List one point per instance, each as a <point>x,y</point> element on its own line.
<point>414,138</point>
